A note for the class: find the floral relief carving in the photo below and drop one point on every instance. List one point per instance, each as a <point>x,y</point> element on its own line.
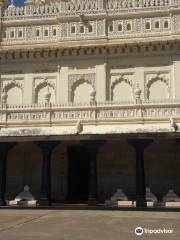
<point>69,9</point>
<point>8,84</point>
<point>40,83</point>
<point>75,80</point>
<point>12,83</point>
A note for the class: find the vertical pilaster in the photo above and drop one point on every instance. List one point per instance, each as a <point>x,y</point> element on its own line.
<point>46,149</point>
<point>63,83</point>
<point>28,96</point>
<point>92,148</point>
<point>139,146</point>
<point>101,82</point>
<point>58,84</point>
<point>175,78</point>
<point>1,33</point>
<point>4,149</point>
<point>139,74</point>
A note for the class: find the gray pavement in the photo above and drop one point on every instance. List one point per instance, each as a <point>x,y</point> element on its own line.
<point>86,225</point>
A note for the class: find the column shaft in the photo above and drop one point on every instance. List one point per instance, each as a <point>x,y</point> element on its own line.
<point>46,179</point>
<point>46,149</point>
<point>139,146</point>
<point>4,149</point>
<point>140,178</point>
<point>92,148</point>
<point>92,193</point>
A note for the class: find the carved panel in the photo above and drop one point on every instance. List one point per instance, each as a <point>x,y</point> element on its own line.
<point>64,28</point>
<point>175,23</point>
<point>101,27</point>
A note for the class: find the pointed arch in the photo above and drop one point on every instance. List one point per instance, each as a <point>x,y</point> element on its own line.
<point>80,90</point>
<point>14,92</point>
<point>158,83</point>
<point>42,86</point>
<point>124,85</point>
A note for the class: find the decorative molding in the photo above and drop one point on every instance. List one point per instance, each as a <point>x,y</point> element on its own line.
<point>149,48</point>
<point>60,15</point>
<point>104,113</point>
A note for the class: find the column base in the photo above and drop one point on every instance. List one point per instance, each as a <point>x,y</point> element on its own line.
<point>2,202</point>
<point>92,202</point>
<point>44,202</point>
<point>141,203</point>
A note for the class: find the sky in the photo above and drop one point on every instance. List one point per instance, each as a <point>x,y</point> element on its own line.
<point>18,2</point>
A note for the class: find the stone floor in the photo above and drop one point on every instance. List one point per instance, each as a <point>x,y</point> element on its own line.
<point>85,224</point>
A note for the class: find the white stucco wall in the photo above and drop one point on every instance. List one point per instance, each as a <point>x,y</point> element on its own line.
<point>157,78</point>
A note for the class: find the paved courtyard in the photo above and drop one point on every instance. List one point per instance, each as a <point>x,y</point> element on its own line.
<point>85,224</point>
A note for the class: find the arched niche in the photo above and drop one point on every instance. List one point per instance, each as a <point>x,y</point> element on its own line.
<point>14,93</point>
<point>158,89</point>
<point>80,91</point>
<point>41,90</point>
<point>121,90</point>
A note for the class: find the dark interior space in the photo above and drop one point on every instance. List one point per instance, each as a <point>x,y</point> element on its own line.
<point>77,174</point>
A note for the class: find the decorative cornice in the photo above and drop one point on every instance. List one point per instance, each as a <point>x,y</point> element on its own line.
<point>171,46</point>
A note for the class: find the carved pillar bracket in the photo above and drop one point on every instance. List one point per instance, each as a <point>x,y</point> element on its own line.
<point>139,146</point>
<point>92,148</point>
<point>4,149</point>
<point>46,149</point>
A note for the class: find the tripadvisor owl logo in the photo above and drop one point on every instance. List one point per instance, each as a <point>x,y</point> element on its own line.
<point>139,231</point>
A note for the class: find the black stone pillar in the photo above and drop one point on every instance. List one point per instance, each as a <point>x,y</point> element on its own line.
<point>46,149</point>
<point>139,146</point>
<point>92,148</point>
<point>4,149</point>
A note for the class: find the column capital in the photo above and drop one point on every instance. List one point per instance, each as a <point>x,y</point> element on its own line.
<point>140,143</point>
<point>93,146</point>
<point>6,146</point>
<point>47,146</point>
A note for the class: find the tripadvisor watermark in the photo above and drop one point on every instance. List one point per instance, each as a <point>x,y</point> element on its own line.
<point>139,231</point>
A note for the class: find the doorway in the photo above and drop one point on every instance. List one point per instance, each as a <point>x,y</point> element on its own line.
<point>78,174</point>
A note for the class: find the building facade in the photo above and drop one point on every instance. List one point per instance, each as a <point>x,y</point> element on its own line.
<point>90,99</point>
